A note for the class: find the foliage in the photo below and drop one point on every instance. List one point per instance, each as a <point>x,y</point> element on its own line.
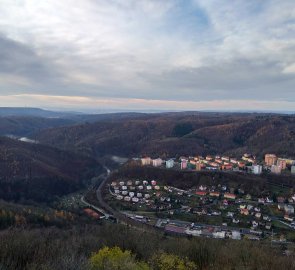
<point>52,248</point>
<point>115,259</point>
<point>164,261</point>
<point>37,172</point>
<point>213,133</point>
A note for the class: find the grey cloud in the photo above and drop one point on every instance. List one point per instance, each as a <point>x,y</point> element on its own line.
<point>21,60</point>
<point>237,79</point>
<point>123,49</point>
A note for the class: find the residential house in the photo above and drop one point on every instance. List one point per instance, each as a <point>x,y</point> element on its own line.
<point>199,166</point>
<point>236,235</point>
<point>169,163</point>
<point>276,169</point>
<point>157,162</point>
<point>282,163</point>
<point>146,161</point>
<point>135,200</point>
<point>288,218</point>
<point>261,200</point>
<point>219,235</point>
<point>270,159</point>
<point>230,214</point>
<point>281,206</point>
<point>257,169</point>
<point>214,194</point>
<point>230,196</point>
<point>248,197</point>
<point>289,209</point>
<point>255,224</point>
<point>201,193</point>
<point>236,221</point>
<point>244,212</point>
<point>183,164</point>
<point>241,164</point>
<point>250,207</point>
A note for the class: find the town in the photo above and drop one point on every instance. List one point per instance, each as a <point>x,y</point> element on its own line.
<point>216,211</point>
<point>247,163</point>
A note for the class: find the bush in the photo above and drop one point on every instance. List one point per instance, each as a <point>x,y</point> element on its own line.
<point>166,261</point>
<point>115,259</point>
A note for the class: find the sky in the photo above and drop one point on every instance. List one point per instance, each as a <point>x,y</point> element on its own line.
<point>148,54</point>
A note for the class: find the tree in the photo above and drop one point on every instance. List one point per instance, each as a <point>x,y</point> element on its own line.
<point>166,261</point>
<point>115,259</point>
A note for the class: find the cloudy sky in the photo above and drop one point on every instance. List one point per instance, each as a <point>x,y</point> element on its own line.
<point>148,54</point>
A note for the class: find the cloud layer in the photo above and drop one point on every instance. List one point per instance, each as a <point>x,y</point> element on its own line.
<point>199,51</point>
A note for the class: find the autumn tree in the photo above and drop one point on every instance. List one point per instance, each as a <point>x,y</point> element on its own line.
<point>115,259</point>
<point>164,261</point>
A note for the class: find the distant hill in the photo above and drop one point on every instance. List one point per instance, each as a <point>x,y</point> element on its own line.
<point>24,111</point>
<point>34,171</point>
<point>26,125</point>
<point>171,134</point>
<point>20,123</point>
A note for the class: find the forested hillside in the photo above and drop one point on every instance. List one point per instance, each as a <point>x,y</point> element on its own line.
<point>175,134</point>
<point>75,248</point>
<point>34,171</point>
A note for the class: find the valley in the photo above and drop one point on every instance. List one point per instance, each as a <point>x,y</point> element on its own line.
<point>85,171</point>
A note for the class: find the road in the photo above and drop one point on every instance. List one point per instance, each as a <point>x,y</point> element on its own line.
<point>102,183</point>
<point>94,207</point>
<point>118,216</point>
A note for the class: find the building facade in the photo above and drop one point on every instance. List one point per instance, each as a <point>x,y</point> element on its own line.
<point>276,169</point>
<point>282,163</point>
<point>146,161</point>
<point>270,159</point>
<point>157,162</point>
<point>169,163</point>
<point>257,169</point>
